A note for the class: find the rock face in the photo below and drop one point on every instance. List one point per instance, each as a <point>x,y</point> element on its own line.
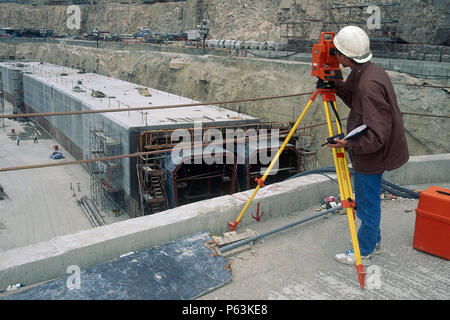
<point>115,18</point>
<point>258,20</point>
<point>215,78</point>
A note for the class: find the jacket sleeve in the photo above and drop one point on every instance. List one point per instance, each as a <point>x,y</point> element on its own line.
<point>377,116</point>
<point>343,90</point>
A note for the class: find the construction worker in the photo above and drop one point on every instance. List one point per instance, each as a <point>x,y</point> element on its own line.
<point>18,138</point>
<point>369,94</point>
<point>35,138</point>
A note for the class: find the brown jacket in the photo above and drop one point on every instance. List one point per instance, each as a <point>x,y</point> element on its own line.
<point>369,93</point>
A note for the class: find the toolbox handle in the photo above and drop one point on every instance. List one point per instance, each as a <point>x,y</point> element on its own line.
<point>433,216</point>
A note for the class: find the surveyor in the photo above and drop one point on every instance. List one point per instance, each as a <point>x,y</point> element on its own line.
<point>369,94</point>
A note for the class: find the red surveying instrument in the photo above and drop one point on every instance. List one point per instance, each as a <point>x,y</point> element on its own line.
<point>325,66</point>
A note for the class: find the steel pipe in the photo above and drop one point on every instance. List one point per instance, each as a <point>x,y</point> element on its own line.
<point>267,233</point>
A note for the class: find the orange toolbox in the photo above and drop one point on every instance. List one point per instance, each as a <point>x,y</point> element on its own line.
<point>432,229</point>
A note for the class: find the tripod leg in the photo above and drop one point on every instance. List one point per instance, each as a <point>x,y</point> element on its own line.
<point>345,189</point>
<point>347,173</point>
<point>272,163</point>
<point>343,163</point>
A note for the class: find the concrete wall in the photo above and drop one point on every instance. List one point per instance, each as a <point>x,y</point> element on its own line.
<point>73,132</point>
<point>12,85</point>
<point>6,79</point>
<point>50,259</point>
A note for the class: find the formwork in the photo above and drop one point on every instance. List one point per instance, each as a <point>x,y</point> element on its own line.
<point>105,175</point>
<point>253,167</point>
<point>189,180</point>
<point>240,152</point>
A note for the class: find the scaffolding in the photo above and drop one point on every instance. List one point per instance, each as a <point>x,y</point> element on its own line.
<point>105,175</point>
<point>152,184</point>
<point>358,15</point>
<point>201,10</point>
<point>382,38</point>
<point>296,26</point>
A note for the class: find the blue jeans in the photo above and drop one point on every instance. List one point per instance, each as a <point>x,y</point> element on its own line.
<point>368,210</point>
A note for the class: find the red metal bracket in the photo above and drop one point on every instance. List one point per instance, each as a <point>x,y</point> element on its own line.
<point>349,203</point>
<point>260,182</point>
<point>327,94</point>
<point>233,225</point>
<point>361,274</point>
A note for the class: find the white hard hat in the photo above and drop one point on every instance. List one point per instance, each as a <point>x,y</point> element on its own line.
<point>354,43</point>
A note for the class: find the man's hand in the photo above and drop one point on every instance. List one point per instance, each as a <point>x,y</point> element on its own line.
<point>338,143</point>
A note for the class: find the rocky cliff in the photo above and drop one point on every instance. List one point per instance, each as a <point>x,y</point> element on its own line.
<point>260,20</point>
<point>214,78</point>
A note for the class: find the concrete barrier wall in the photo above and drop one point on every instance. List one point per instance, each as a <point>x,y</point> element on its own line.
<point>50,259</point>
<point>74,132</point>
<point>421,170</point>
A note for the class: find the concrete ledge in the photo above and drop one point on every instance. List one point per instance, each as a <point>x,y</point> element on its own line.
<point>422,169</point>
<point>50,259</point>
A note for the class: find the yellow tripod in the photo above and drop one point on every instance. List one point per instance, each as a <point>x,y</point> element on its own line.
<point>327,91</point>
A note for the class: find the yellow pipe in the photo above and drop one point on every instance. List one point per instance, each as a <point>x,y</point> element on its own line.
<point>344,162</point>
<point>339,170</point>
<point>345,190</point>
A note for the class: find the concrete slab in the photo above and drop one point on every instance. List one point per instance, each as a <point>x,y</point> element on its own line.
<point>96,91</point>
<point>49,259</point>
<point>298,263</point>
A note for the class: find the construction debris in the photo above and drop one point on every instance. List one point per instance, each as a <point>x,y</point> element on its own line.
<point>56,155</point>
<point>97,94</point>
<point>233,236</point>
<point>78,89</point>
<point>91,212</point>
<point>14,287</point>
<point>330,202</point>
<point>144,92</point>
